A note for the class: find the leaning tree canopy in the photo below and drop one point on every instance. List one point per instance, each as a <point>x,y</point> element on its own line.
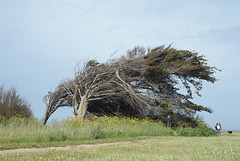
<point>167,68</point>
<point>142,83</point>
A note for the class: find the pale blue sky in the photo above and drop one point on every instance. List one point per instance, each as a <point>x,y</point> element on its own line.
<point>42,40</point>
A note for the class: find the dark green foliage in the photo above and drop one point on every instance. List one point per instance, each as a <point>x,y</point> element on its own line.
<point>11,104</point>
<point>161,63</point>
<point>168,68</point>
<point>197,131</point>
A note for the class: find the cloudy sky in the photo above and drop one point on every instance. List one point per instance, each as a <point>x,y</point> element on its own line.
<point>42,40</point>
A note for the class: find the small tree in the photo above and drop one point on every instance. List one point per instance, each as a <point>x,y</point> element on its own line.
<point>11,104</point>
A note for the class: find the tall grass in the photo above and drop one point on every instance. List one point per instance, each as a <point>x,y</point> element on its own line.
<point>19,132</point>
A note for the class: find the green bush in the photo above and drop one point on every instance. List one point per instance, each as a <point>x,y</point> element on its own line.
<point>197,131</point>
<point>204,131</point>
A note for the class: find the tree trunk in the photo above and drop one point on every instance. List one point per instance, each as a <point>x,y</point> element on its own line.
<point>82,109</point>
<point>74,101</point>
<point>44,119</point>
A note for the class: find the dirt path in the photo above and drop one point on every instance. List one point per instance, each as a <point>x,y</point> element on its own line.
<point>24,150</point>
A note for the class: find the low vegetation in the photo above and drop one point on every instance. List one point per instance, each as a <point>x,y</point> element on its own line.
<point>21,133</point>
<point>160,142</point>
<point>224,147</point>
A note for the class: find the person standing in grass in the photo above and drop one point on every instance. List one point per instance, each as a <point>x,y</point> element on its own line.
<point>218,128</point>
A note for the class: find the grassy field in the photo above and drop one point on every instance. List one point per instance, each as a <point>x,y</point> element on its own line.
<point>225,147</point>
<point>113,139</point>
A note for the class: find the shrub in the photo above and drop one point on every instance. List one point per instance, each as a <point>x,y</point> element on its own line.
<point>12,104</point>
<point>197,131</point>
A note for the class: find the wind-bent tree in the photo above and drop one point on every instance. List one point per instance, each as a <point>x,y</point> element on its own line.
<point>12,104</point>
<point>139,84</point>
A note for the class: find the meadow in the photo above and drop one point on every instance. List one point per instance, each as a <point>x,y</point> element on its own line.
<point>224,148</point>
<point>136,140</point>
